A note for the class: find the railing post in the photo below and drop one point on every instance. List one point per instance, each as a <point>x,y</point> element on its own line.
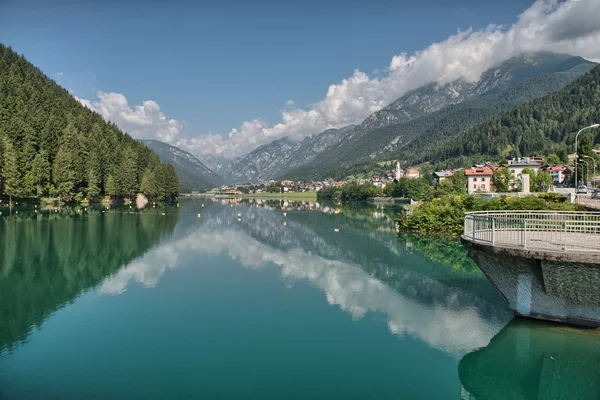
<point>524,235</point>
<point>493,230</point>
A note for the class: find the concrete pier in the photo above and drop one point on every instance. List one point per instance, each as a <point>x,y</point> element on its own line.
<point>545,264</point>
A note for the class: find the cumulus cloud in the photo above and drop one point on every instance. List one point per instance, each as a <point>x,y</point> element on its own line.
<point>144,121</point>
<point>548,25</point>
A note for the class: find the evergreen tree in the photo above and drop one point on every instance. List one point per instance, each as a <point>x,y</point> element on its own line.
<point>128,180</point>
<point>39,175</point>
<point>94,175</point>
<point>149,186</point>
<point>52,144</point>
<point>11,178</point>
<point>110,186</point>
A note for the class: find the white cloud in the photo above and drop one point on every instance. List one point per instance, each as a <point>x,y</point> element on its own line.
<point>144,121</point>
<point>548,25</point>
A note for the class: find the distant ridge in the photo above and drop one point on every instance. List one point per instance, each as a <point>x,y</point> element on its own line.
<point>193,174</point>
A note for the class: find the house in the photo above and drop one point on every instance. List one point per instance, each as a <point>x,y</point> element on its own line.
<point>479,179</point>
<point>517,165</point>
<point>439,176</point>
<point>493,166</point>
<point>376,181</point>
<point>412,173</point>
<point>556,172</point>
<point>568,173</point>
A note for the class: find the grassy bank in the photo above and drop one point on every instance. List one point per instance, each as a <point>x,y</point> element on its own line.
<point>445,215</point>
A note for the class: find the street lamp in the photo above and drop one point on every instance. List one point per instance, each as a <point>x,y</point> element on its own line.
<point>594,161</point>
<point>577,149</point>
<point>587,169</point>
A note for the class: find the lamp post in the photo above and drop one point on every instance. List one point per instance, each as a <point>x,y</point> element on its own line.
<point>587,169</point>
<point>594,162</point>
<point>577,149</point>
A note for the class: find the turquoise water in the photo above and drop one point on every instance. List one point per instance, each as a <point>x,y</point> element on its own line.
<point>243,301</point>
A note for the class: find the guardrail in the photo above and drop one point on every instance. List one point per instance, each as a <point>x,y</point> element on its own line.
<point>563,231</point>
<point>588,202</point>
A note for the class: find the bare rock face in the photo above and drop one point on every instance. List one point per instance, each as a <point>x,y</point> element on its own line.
<point>141,200</point>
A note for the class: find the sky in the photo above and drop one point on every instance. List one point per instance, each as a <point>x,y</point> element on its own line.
<point>226,76</point>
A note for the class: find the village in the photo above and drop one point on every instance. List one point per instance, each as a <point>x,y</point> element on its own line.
<point>479,178</point>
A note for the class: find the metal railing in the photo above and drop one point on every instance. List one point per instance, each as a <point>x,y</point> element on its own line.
<point>562,231</point>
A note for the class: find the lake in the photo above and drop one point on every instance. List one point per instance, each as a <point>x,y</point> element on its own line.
<point>264,299</point>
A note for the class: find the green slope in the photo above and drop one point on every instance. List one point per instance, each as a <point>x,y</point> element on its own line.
<point>540,127</point>
<point>50,144</point>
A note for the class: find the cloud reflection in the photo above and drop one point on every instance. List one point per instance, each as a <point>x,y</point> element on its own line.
<point>452,329</point>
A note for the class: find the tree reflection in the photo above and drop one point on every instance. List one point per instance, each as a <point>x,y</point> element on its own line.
<point>48,259</point>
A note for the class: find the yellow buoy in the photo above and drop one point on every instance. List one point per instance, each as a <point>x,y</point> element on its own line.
<point>336,230</point>
<point>239,219</point>
<point>285,214</point>
<point>177,205</point>
<point>284,223</point>
<point>163,214</point>
<point>239,214</point>
<point>85,209</point>
<point>202,204</point>
<point>198,215</point>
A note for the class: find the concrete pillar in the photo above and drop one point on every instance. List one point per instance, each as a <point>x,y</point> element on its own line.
<point>525,183</point>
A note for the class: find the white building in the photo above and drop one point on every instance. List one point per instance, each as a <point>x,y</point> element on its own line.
<point>377,181</point>
<point>557,172</point>
<point>479,179</point>
<point>398,171</point>
<point>517,165</point>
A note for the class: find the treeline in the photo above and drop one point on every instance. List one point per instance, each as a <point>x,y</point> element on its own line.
<point>351,191</point>
<point>543,126</point>
<point>419,189</point>
<point>446,215</point>
<point>51,145</point>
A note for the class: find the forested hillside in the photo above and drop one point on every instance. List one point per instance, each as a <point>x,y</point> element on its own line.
<point>52,145</point>
<point>539,127</point>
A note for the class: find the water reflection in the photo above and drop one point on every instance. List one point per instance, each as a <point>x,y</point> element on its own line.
<point>532,360</point>
<point>360,270</point>
<point>48,259</point>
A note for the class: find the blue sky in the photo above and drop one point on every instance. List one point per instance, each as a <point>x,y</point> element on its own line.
<point>213,65</point>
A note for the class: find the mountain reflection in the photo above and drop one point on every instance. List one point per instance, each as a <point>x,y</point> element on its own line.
<point>47,260</point>
<point>358,269</point>
<point>533,360</point>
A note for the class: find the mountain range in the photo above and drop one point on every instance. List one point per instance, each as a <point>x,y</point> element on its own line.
<point>408,129</point>
<point>193,174</point>
<point>420,117</point>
